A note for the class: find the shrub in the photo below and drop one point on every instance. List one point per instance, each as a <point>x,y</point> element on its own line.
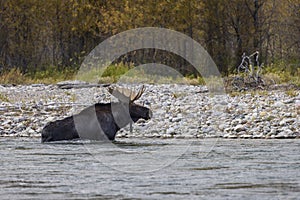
<point>13,76</point>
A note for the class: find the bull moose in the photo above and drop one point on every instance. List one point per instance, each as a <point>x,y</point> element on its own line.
<point>100,121</point>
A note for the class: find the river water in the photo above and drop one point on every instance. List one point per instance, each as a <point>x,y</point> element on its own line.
<point>150,169</point>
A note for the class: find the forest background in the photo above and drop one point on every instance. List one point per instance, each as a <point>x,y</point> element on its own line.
<point>47,40</point>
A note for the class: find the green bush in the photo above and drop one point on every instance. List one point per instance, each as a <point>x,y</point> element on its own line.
<point>51,74</point>
<point>282,72</point>
<point>116,70</point>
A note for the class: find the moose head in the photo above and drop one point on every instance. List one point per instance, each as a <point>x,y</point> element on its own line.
<point>126,110</point>
<point>99,121</point>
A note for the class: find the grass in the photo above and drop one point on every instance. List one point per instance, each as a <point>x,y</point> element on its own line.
<point>292,93</point>
<point>130,74</point>
<point>275,73</point>
<point>13,76</point>
<point>253,93</point>
<point>112,74</point>
<point>71,95</point>
<point>4,98</point>
<point>50,75</point>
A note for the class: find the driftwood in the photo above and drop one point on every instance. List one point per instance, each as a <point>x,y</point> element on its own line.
<point>70,86</point>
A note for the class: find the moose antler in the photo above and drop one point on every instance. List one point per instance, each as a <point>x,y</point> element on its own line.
<point>125,94</point>
<point>139,94</point>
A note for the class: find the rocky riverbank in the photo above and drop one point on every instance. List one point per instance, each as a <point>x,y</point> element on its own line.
<point>179,111</point>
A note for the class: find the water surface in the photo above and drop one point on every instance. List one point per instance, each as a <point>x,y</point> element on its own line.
<point>224,169</point>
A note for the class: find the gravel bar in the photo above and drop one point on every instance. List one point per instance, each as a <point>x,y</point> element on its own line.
<point>179,111</point>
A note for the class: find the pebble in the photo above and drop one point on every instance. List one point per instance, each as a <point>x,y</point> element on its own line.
<point>170,131</point>
<point>240,128</point>
<point>178,111</point>
<point>246,136</point>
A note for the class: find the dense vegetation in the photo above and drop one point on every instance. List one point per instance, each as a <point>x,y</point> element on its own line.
<point>42,39</point>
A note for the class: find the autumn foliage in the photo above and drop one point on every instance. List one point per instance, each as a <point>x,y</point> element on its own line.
<point>36,34</point>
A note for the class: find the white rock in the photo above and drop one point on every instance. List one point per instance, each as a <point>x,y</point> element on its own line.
<point>278,104</point>
<point>170,131</point>
<point>240,127</point>
<point>246,136</point>
<point>282,134</point>
<point>282,122</point>
<point>232,136</point>
<point>50,119</point>
<point>288,101</point>
<point>261,136</point>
